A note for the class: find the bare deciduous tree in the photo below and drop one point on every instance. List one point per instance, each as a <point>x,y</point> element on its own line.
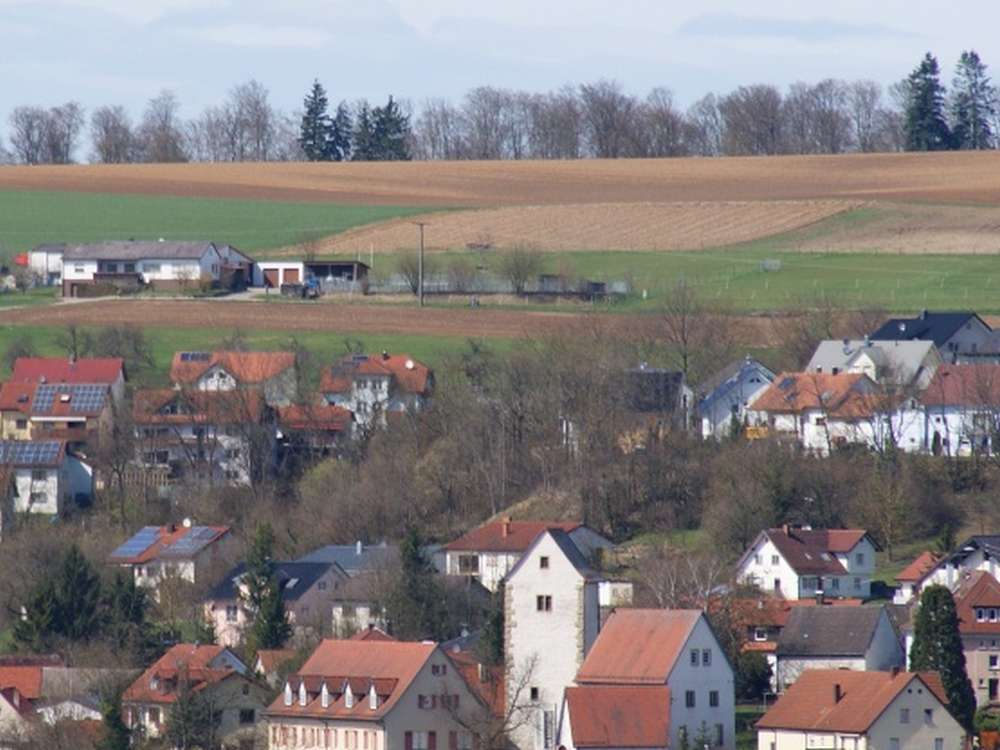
<point>608,118</point>
<point>519,265</point>
<point>27,134</point>
<point>111,135</point>
<point>752,121</point>
<point>161,132</point>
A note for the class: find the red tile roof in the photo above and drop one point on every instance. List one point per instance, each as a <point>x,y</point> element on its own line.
<point>979,591</point>
<point>506,536</point>
<point>270,659</point>
<point>104,370</point>
<point>608,716</point>
<point>638,646</point>
<point>391,666</point>
<point>248,368</point>
<point>17,396</point>
<point>410,375</point>
<point>810,705</point>
<point>158,684</point>
<point>964,385</point>
<point>371,633</point>
<point>197,407</point>
<point>486,680</point>
<point>27,680</point>
<point>920,567</point>
<point>63,401</point>
<point>771,611</point>
<point>845,395</point>
<point>321,416</point>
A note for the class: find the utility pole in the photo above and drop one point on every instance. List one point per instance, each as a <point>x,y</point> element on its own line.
<point>420,264</point>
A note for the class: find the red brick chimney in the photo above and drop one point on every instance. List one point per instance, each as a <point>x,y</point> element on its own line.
<point>838,692</point>
<point>505,527</point>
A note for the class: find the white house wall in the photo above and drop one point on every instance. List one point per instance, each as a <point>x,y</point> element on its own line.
<point>771,568</point>
<point>45,488</point>
<point>918,732</point>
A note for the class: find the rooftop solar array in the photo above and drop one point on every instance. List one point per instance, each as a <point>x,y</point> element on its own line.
<point>190,543</point>
<point>138,543</point>
<point>29,453</point>
<point>195,356</point>
<point>83,398</point>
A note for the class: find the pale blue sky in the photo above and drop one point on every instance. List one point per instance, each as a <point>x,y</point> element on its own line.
<point>124,51</point>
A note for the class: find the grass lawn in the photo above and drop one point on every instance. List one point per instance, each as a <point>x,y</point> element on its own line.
<point>746,716</point>
<point>30,218</point>
<point>324,346</point>
<point>38,296</point>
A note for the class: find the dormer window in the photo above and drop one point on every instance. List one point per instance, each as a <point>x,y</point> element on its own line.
<point>154,683</point>
<point>348,696</point>
<point>324,696</point>
<point>303,695</point>
<point>980,614</point>
<point>372,698</point>
<point>288,693</point>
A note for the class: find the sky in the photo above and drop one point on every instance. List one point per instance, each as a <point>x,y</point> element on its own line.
<point>125,51</point>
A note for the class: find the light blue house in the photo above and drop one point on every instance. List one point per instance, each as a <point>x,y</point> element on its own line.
<point>724,397</point>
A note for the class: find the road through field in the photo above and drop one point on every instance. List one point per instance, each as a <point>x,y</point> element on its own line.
<point>354,318</point>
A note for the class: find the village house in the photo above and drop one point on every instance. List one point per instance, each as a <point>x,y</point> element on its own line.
<point>355,559</point>
<point>227,437</point>
<point>655,391</point>
<point>551,595</point>
<point>961,410</point>
<point>374,695</point>
<point>653,676</point>
<point>315,429</point>
<point>801,563</point>
<point>77,413</point>
<point>977,553</point>
<point>274,374</point>
<point>51,692</point>
<point>340,275</point>
<point>375,387</point>
<point>108,371</point>
<point>40,476</point>
<point>859,638</point>
<point>214,673</point>
<point>307,590</point>
<point>488,552</point>
<point>177,266</point>
<point>831,708</point>
<point>356,607</point>
<point>185,552</point>
<point>725,396</point>
<point>910,577</point>
<point>45,262</point>
<point>823,411</point>
<point>959,336</point>
<point>903,365</point>
<point>270,663</point>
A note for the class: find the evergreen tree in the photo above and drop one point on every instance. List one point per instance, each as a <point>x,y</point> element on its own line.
<point>340,134</point>
<point>271,628</point>
<point>415,607</point>
<point>491,643</point>
<point>35,628</point>
<point>126,606</point>
<point>190,721</point>
<point>259,574</point>
<point>363,147</point>
<point>263,595</point>
<point>925,125</point>
<point>972,104</point>
<point>78,597</point>
<point>116,735</point>
<point>391,132</point>
<point>315,131</point>
<point>937,647</point>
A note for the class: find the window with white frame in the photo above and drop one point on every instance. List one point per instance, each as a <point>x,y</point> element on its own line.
<point>232,613</point>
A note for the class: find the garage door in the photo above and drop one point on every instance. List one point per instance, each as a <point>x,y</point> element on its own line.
<point>271,277</point>
<point>291,276</point>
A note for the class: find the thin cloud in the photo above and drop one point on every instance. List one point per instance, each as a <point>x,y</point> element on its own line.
<point>811,30</point>
<point>262,37</point>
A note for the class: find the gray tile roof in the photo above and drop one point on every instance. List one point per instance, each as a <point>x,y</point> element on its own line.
<point>901,360</point>
<point>828,631</point>
<point>138,250</point>
<point>304,575</point>
<point>354,558</point>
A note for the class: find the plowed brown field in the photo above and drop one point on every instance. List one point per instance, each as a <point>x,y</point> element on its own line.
<point>936,177</point>
<point>592,226</point>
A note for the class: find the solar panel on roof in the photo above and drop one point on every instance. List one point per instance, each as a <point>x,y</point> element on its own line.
<point>191,542</point>
<point>29,452</point>
<point>195,356</point>
<point>139,543</point>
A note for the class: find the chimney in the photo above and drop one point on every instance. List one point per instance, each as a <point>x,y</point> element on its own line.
<point>172,528</point>
<point>505,527</point>
<point>786,528</point>
<point>838,692</point>
<point>923,315</point>
<point>868,340</point>
<point>358,548</point>
<point>894,671</point>
<point>385,354</point>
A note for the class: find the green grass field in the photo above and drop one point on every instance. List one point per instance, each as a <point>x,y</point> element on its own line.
<point>29,218</point>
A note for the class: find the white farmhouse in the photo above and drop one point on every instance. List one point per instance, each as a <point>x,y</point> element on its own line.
<point>977,553</point>
<point>801,563</point>
<point>374,387</point>
<point>905,364</point>
<point>45,261</point>
<point>655,679</point>
<point>862,711</point>
<point>488,552</point>
<point>727,394</point>
<point>961,407</point>
<point>859,638</point>
<point>274,374</point>
<point>41,477</point>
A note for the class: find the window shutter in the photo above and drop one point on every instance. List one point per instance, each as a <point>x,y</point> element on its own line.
<point>408,741</point>
<point>432,740</point>
<point>452,740</point>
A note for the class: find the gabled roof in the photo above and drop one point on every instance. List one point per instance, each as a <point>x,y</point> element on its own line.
<point>32,453</point>
<point>811,551</point>
<point>845,395</point>
<point>638,647</point>
<point>772,611</point>
<point>391,666</point>
<point>829,631</point>
<point>938,327</point>
<point>371,633</point>
<point>105,370</point>
<point>248,368</point>
<point>569,549</point>
<point>899,361</point>
<point>132,250</point>
<point>193,662</point>
<point>964,385</point>
<point>612,716</point>
<point>506,535</point>
<point>55,399</point>
<point>355,558</point>
<point>810,704</point>
<point>729,377</point>
<point>154,406</point>
<point>410,375</point>
<point>316,416</point>
<point>921,566</point>
<point>27,680</point>
<point>988,544</point>
<point>979,591</point>
<point>270,659</point>
<point>296,579</point>
<point>166,542</point>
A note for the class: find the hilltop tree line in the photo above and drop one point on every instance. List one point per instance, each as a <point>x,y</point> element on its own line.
<point>593,120</point>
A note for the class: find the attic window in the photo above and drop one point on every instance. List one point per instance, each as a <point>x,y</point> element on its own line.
<point>372,698</point>
<point>324,696</point>
<point>64,398</point>
<point>292,582</point>
<point>348,697</point>
<point>288,694</point>
<point>303,695</point>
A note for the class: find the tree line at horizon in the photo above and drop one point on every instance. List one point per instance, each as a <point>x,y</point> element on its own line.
<point>593,120</point>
